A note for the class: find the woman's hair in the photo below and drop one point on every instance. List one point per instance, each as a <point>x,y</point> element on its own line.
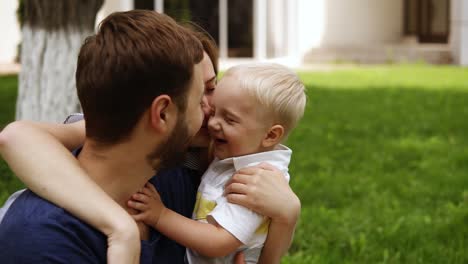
<point>207,41</point>
<point>276,88</point>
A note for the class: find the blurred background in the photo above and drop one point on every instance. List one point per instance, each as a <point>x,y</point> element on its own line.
<point>381,156</point>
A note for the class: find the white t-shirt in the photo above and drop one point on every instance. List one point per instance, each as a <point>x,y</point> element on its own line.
<point>247,226</point>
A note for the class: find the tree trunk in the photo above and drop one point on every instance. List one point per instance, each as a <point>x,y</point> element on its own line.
<point>53,31</point>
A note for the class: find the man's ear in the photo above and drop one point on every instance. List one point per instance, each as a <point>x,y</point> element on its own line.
<point>274,136</point>
<point>161,112</point>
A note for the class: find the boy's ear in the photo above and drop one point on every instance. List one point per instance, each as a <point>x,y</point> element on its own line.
<point>274,136</point>
<point>161,112</point>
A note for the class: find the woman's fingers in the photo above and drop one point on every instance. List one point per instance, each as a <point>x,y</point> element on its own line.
<point>236,198</point>
<point>267,166</point>
<point>235,187</point>
<point>240,178</point>
<point>257,169</point>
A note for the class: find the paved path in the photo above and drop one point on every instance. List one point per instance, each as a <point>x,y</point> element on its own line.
<point>6,69</point>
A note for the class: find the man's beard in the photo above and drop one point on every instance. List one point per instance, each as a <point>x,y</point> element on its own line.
<point>172,152</point>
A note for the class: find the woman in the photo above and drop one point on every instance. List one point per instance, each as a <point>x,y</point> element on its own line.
<point>270,196</point>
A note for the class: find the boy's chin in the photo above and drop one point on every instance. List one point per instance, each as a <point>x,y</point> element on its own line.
<point>219,154</point>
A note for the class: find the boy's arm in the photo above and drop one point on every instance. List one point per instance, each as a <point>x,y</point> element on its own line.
<point>36,155</point>
<point>208,239</point>
<point>278,241</point>
<point>264,189</point>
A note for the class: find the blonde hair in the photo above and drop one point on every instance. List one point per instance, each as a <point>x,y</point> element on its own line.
<point>276,88</point>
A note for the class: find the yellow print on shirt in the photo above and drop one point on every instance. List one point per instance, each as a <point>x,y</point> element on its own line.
<point>263,228</point>
<point>203,207</point>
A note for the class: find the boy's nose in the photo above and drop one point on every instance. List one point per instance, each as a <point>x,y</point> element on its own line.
<point>213,124</point>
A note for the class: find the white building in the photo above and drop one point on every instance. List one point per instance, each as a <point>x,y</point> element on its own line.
<point>308,31</point>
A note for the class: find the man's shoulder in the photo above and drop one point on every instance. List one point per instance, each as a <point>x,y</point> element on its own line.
<point>34,229</point>
<point>31,210</point>
<point>28,205</point>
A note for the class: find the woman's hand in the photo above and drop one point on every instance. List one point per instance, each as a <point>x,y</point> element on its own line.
<point>124,244</point>
<point>264,189</point>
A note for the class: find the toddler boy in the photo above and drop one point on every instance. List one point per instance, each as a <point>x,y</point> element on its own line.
<point>255,107</point>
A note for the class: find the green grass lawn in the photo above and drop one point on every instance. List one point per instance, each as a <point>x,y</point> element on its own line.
<point>380,163</point>
<point>8,94</point>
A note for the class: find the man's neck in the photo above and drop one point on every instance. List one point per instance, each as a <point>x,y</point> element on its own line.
<point>120,170</point>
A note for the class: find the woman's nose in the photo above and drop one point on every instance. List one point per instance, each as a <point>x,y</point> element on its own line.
<point>213,124</point>
<point>206,107</point>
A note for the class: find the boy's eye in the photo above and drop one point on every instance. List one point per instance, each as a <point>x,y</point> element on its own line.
<point>229,120</point>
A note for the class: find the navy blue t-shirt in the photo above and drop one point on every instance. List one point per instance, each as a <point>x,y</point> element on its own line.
<point>37,231</point>
<point>178,189</point>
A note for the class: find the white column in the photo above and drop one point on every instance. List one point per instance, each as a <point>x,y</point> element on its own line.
<point>111,6</point>
<point>459,31</point>
<point>11,32</point>
<point>276,28</point>
<point>464,34</point>
<point>159,6</point>
<point>223,29</point>
<point>292,25</point>
<point>260,29</point>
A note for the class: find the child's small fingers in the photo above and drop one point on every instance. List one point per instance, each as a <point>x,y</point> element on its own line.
<point>151,187</point>
<point>146,191</point>
<point>137,205</point>
<point>140,197</point>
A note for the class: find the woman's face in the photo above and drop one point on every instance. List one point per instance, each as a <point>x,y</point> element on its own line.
<point>202,139</point>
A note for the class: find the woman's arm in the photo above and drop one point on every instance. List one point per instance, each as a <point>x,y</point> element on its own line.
<point>263,189</point>
<point>37,155</point>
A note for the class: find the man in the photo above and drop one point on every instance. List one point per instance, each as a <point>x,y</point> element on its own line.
<point>140,86</point>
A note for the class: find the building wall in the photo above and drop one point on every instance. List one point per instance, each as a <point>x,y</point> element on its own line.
<point>306,25</point>
<point>11,34</point>
<point>337,23</point>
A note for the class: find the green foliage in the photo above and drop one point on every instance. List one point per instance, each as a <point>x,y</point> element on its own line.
<point>380,163</point>
<point>178,9</point>
<point>8,93</point>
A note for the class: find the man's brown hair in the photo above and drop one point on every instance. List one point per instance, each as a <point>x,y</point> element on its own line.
<point>134,57</point>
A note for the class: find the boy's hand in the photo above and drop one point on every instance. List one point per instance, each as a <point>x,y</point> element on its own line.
<point>148,202</point>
